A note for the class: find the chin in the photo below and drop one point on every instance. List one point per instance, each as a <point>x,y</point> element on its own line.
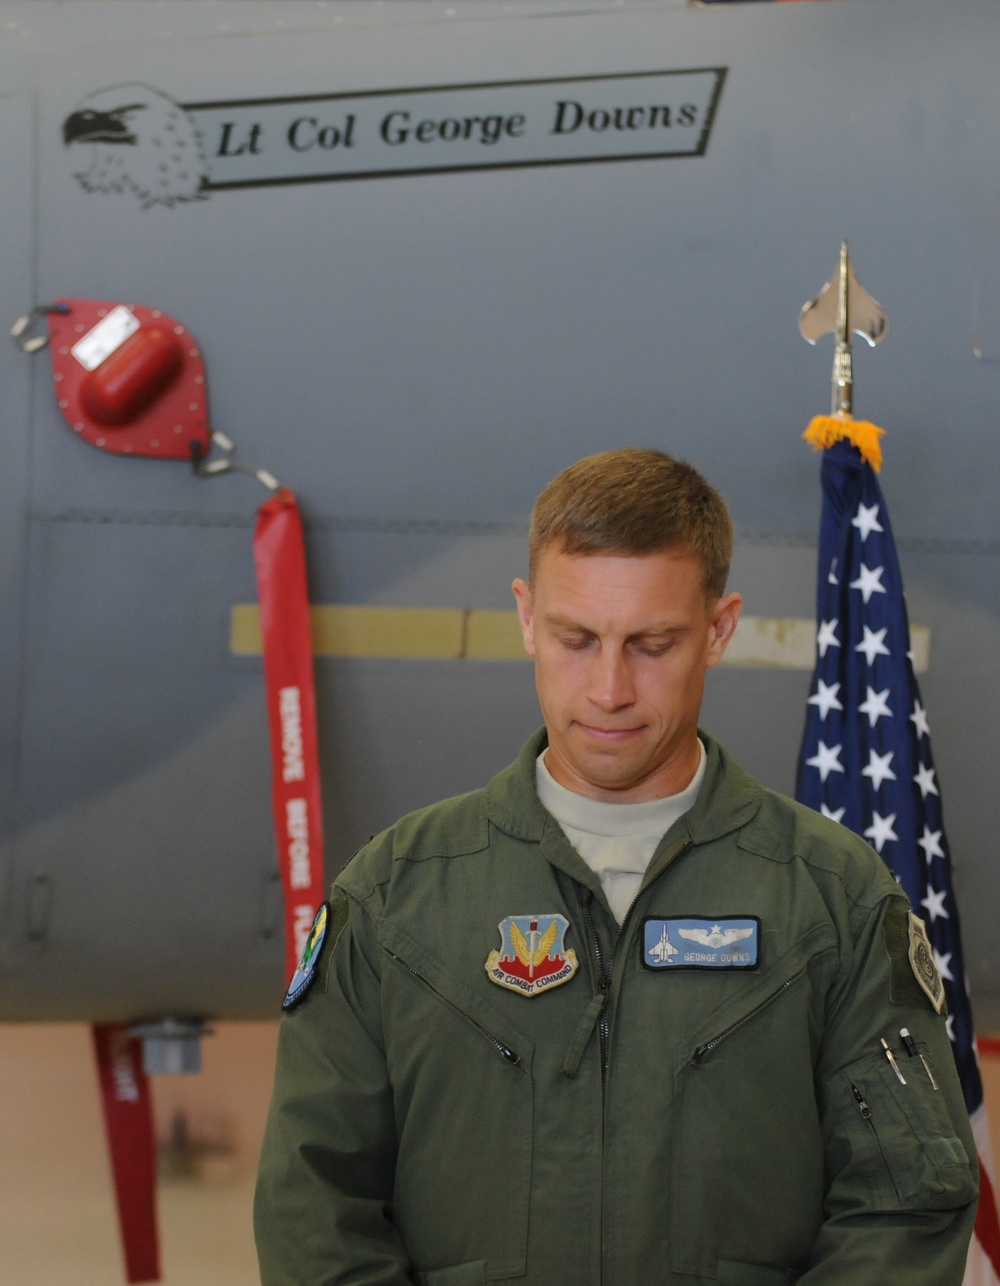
<point>606,776</point>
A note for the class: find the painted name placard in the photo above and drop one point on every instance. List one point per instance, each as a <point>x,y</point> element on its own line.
<point>249,143</point>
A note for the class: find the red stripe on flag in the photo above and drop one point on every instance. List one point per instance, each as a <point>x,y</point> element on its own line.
<point>128,1119</point>
<point>987,1230</point>
<point>279,554</point>
<point>989,1046</point>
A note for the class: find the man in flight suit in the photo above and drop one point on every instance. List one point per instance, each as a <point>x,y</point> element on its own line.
<point>618,1018</point>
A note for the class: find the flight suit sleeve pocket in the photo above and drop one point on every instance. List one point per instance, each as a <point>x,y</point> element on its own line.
<point>471,1274</point>
<point>897,1142</point>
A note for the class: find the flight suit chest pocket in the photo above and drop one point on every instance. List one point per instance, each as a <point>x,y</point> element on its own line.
<point>903,1146</point>
<point>464,1102</point>
<point>747,1157</point>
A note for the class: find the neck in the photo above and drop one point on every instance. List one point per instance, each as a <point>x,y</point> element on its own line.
<point>667,779</point>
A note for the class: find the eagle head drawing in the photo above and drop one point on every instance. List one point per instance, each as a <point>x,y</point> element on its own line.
<point>133,138</point>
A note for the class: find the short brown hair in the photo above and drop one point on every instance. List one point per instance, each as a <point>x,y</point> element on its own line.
<point>634,501</point>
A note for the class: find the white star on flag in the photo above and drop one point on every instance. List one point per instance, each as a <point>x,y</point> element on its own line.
<point>919,719</point>
<point>869,581</point>
<point>930,842</point>
<point>826,636</point>
<point>934,902</point>
<point>834,814</point>
<point>826,698</point>
<point>875,705</point>
<point>832,577</point>
<point>878,768</point>
<point>880,831</point>
<point>826,760</point>
<point>943,963</point>
<point>873,644</point>
<point>867,521</point>
<point>925,780</point>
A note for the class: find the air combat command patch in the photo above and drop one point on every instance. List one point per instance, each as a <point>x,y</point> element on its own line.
<point>532,956</point>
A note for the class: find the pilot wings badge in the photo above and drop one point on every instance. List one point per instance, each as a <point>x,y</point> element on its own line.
<point>532,956</point>
<point>716,937</point>
<point>695,943</point>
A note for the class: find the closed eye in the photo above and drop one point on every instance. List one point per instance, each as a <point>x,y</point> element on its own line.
<point>655,644</point>
<point>576,642</point>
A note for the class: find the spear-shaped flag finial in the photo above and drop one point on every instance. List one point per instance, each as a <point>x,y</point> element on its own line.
<point>844,308</point>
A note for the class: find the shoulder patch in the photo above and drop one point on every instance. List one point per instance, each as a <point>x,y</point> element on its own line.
<point>913,978</point>
<point>925,970</point>
<point>327,927</point>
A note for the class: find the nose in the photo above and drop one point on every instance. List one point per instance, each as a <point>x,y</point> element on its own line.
<point>612,687</point>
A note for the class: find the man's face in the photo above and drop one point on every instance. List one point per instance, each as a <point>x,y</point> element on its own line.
<point>621,645</point>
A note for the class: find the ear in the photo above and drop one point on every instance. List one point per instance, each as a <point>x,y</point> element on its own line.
<point>722,621</point>
<point>525,614</point>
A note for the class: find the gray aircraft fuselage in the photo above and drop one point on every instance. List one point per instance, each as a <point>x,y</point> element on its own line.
<point>432,254</point>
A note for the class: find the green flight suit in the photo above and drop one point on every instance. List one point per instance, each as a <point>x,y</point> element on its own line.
<point>628,1126</point>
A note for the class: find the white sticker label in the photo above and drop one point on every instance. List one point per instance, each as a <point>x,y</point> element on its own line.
<point>109,334</point>
<point>456,127</point>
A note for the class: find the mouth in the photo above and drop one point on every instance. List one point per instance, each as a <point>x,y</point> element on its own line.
<point>609,736</point>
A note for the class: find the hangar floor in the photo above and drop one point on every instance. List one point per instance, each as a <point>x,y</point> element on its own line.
<point>57,1218</point>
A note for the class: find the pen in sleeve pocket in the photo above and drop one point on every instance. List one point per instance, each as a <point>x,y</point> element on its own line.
<point>911,1049</point>
<point>892,1062</point>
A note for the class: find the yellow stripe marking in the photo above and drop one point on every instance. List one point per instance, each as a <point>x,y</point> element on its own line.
<point>450,633</point>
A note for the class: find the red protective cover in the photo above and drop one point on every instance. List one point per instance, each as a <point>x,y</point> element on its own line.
<point>146,396</point>
<point>279,554</point>
<point>128,1118</point>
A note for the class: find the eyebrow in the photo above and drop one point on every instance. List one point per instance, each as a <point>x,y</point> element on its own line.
<point>654,631</point>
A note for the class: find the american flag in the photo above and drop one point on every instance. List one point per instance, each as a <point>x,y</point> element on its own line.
<point>866,759</point>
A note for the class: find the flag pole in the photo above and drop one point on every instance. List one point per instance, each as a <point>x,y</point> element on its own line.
<point>844,308</point>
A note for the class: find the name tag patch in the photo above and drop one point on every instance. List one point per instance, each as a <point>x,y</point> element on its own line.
<point>698,942</point>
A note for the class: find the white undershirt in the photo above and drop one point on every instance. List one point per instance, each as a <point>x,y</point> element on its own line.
<point>616,841</point>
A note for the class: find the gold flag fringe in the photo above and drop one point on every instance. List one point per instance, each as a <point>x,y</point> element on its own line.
<point>825,430</point>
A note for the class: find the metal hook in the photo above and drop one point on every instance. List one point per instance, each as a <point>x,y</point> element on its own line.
<point>227,463</point>
<point>34,342</point>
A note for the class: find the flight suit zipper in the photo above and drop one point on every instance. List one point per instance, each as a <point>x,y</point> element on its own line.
<point>504,1050</point>
<point>603,983</point>
<point>864,1107</point>
<point>605,971</point>
<point>704,1050</point>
